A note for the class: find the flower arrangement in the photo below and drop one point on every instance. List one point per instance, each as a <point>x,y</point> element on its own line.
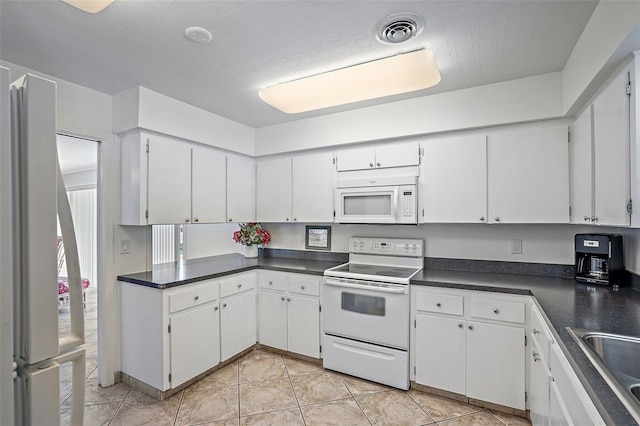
<point>250,234</point>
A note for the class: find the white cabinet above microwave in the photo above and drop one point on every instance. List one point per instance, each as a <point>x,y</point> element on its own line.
<point>378,157</point>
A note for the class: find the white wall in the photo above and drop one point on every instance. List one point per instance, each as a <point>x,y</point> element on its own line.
<point>527,99</point>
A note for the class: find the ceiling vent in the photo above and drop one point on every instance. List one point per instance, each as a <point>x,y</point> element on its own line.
<point>398,28</point>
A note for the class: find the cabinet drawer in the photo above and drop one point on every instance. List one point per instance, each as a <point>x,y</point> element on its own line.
<point>541,332</point>
<point>310,287</point>
<point>440,303</point>
<point>272,282</point>
<point>499,310</point>
<point>194,295</point>
<point>236,285</point>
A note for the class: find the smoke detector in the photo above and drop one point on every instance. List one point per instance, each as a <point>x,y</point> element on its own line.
<point>398,28</point>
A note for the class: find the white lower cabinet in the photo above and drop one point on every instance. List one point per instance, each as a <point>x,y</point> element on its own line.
<point>289,312</point>
<point>539,380</point>
<point>478,359</point>
<point>237,314</point>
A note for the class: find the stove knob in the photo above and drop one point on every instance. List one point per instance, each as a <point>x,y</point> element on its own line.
<point>415,247</point>
<point>361,244</point>
<point>406,246</point>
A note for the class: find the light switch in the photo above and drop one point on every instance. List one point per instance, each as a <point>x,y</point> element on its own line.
<point>125,246</point>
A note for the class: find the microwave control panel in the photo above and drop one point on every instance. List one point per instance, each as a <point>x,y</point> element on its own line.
<point>407,202</point>
<point>387,246</point>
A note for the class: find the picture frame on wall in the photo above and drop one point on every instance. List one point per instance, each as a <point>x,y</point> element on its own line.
<point>317,238</point>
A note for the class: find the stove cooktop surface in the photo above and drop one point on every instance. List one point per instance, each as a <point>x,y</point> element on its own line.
<point>351,269</point>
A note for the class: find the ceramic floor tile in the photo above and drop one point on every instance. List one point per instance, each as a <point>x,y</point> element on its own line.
<point>208,405</point>
<point>259,366</point>
<point>319,387</point>
<point>440,408</point>
<point>392,408</point>
<point>96,394</point>
<point>228,422</point>
<point>362,387</point>
<point>477,419</point>
<point>291,417</point>
<point>509,419</point>
<point>296,367</point>
<point>226,376</point>
<point>94,415</point>
<point>342,412</point>
<point>139,409</point>
<point>266,396</point>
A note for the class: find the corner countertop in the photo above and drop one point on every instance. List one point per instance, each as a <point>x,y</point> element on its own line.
<point>564,302</point>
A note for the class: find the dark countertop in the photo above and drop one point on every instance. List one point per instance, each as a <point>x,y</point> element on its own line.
<point>565,303</point>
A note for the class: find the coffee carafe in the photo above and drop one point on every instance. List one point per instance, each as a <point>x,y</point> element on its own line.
<point>599,259</point>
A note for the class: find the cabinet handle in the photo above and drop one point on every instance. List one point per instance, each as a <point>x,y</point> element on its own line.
<point>196,298</point>
<point>295,219</point>
<point>536,357</point>
<point>301,287</point>
<point>497,219</point>
<point>196,220</point>
<point>586,218</point>
<point>230,220</point>
<point>535,331</point>
<point>288,299</point>
<point>239,285</point>
<point>496,311</point>
<point>594,219</point>
<point>187,220</point>
<point>378,164</point>
<point>224,305</point>
<point>270,282</point>
<point>282,298</point>
<point>438,304</point>
<point>215,309</point>
<point>481,218</point>
<point>287,219</point>
<point>460,325</point>
<point>470,327</point>
<point>370,164</point>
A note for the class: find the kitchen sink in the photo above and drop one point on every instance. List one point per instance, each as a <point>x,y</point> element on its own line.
<point>617,358</point>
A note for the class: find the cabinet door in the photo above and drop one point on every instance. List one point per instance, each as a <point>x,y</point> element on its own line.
<point>611,153</point>
<point>581,148</point>
<point>208,186</point>
<point>453,180</point>
<point>440,353</point>
<point>169,189</point>
<point>495,364</point>
<point>304,325</point>
<point>237,324</point>
<point>529,176</point>
<point>356,159</point>
<point>397,154</point>
<point>195,343</point>
<point>273,201</point>
<point>539,378</point>
<point>558,413</point>
<point>312,188</point>
<point>272,319</point>
<point>241,190</point>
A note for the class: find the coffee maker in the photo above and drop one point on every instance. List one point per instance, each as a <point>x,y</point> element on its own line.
<point>599,259</point>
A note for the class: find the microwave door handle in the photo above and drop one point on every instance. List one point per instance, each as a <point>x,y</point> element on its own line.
<point>396,205</point>
<point>396,290</point>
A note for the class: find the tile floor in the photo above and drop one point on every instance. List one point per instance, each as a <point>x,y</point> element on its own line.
<point>263,388</point>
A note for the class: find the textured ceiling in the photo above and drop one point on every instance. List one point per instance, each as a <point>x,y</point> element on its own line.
<point>260,43</point>
<point>76,155</point>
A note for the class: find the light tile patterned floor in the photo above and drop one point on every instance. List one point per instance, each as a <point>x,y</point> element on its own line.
<point>263,388</point>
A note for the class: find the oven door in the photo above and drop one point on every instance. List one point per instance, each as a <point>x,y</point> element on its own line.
<point>367,311</point>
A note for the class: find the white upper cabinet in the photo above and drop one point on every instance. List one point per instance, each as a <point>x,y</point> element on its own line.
<point>611,152</point>
<point>379,156</point>
<point>298,189</point>
<point>241,189</point>
<point>581,148</point>
<point>169,192</point>
<point>273,200</point>
<point>453,180</point>
<point>312,188</point>
<point>529,175</point>
<point>208,186</point>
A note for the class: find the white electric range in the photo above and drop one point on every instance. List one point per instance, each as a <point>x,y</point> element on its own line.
<point>365,310</point>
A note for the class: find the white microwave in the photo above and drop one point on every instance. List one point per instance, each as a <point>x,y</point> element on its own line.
<point>376,200</point>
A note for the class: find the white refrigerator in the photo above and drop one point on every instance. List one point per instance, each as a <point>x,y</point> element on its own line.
<point>31,351</point>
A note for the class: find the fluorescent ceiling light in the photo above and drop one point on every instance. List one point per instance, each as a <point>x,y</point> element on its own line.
<point>90,6</point>
<point>390,76</point>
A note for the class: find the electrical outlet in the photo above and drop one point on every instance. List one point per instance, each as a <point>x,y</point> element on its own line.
<point>125,246</point>
<point>516,246</point>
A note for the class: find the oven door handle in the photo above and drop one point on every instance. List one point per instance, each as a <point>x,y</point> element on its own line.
<point>396,290</point>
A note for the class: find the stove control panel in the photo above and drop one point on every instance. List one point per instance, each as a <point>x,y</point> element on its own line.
<point>387,246</point>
